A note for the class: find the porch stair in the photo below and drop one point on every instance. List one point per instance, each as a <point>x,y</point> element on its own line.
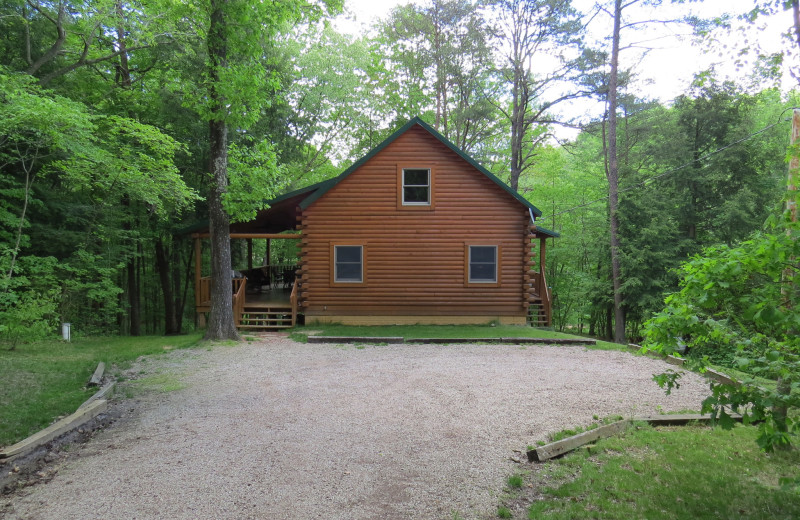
<point>537,315</point>
<point>272,317</point>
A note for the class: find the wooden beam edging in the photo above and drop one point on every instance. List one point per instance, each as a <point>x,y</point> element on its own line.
<point>554,449</point>
<point>353,339</point>
<point>511,341</point>
<point>80,417</point>
<point>712,374</point>
<point>97,377</point>
<point>445,341</point>
<point>107,389</point>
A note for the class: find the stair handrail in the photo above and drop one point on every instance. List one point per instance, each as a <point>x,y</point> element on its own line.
<point>238,299</point>
<point>293,302</point>
<point>544,294</point>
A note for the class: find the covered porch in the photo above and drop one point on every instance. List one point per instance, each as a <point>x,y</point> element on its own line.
<point>264,291</point>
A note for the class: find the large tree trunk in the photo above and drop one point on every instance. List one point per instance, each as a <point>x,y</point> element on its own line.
<point>613,178</point>
<point>220,321</point>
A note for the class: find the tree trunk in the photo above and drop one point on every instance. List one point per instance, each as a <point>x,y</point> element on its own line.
<point>123,70</point>
<point>613,178</point>
<point>518,108</point>
<point>134,313</point>
<point>170,315</point>
<point>220,322</point>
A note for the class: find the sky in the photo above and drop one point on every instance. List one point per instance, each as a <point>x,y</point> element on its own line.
<point>667,69</point>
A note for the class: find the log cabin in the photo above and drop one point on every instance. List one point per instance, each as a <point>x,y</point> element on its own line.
<point>415,232</point>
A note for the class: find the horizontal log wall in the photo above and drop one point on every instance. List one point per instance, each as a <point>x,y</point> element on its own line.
<point>414,259</point>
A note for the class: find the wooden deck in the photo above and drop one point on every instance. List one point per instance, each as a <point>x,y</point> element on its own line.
<point>268,298</point>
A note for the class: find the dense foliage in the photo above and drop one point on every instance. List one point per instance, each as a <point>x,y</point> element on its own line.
<point>737,308</point>
<point>105,109</point>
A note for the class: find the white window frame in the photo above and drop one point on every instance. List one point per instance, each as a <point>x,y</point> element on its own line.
<point>403,186</point>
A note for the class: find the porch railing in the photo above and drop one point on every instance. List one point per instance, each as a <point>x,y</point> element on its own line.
<point>542,291</point>
<point>239,287</point>
<point>293,302</point>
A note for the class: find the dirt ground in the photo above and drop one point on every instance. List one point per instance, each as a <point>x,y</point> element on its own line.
<point>275,429</point>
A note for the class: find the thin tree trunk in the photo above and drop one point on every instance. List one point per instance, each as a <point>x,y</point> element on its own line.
<point>170,318</point>
<point>124,74</point>
<point>133,299</point>
<point>613,179</point>
<point>220,322</point>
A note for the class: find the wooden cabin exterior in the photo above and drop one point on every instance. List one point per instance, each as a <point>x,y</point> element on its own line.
<point>414,232</point>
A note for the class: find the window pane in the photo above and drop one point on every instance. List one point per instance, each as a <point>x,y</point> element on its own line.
<point>415,177</point>
<point>348,254</point>
<point>349,264</point>
<point>482,273</point>
<point>419,194</point>
<point>348,272</point>
<point>482,254</point>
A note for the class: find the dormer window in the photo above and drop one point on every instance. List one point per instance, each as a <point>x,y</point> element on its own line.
<point>416,187</point>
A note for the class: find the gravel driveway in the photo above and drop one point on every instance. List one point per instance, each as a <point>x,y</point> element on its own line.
<point>276,429</point>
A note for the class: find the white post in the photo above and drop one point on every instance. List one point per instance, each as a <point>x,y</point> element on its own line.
<point>65,331</point>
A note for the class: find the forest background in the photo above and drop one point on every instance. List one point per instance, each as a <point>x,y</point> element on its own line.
<point>105,149</point>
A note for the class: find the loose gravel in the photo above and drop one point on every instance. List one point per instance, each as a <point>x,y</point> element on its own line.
<point>281,430</point>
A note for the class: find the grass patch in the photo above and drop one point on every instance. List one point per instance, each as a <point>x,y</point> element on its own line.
<point>678,472</point>
<point>46,380</point>
<point>437,331</point>
<point>515,481</point>
<point>159,383</point>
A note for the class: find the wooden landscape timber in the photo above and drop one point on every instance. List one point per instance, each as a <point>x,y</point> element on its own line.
<point>447,341</point>
<point>554,449</point>
<point>710,373</point>
<point>97,377</point>
<point>77,419</point>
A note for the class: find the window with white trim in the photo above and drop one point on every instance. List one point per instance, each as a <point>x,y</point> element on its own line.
<point>482,264</point>
<point>348,264</point>
<point>416,186</point>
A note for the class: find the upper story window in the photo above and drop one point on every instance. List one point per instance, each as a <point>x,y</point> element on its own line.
<point>416,186</point>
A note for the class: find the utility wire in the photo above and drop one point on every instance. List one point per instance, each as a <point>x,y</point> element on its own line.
<point>647,182</point>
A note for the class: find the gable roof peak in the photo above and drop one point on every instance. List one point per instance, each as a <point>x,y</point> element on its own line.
<point>417,120</point>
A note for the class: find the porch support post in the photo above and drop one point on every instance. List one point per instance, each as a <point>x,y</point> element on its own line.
<point>268,258</point>
<point>542,242</point>
<point>249,253</point>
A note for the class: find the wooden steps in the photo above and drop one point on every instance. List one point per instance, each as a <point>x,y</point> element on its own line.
<point>272,317</point>
<point>537,316</point>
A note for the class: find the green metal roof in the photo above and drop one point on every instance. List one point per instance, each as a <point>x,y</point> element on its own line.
<point>545,231</point>
<point>416,121</point>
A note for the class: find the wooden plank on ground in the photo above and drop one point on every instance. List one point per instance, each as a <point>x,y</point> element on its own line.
<point>97,377</point>
<point>554,449</point>
<point>719,377</point>
<point>100,394</point>
<point>354,339</point>
<point>551,341</point>
<point>80,417</point>
<point>680,419</point>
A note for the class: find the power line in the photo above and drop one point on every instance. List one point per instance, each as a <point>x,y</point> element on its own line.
<point>649,181</point>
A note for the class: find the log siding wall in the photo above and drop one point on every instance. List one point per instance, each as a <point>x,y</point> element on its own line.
<point>414,261</point>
